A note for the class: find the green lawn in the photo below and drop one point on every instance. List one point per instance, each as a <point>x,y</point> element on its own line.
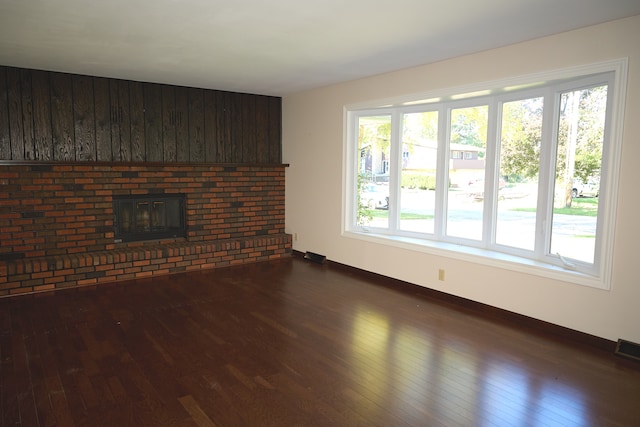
<point>582,207</point>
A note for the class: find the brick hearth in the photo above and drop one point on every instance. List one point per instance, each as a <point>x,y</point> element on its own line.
<point>56,222</point>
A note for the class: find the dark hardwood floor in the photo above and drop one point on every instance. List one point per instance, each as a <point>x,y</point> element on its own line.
<point>292,343</point>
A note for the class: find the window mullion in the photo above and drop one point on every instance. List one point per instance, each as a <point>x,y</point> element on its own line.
<point>351,179</point>
<point>394,171</point>
<point>491,175</point>
<point>442,172</point>
<point>544,217</point>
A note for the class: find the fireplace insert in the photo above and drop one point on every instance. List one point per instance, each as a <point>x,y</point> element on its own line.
<point>149,217</point>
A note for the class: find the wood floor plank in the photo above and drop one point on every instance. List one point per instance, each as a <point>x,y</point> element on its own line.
<point>26,398</point>
<point>203,390</point>
<point>196,412</point>
<point>292,343</point>
<point>10,381</point>
<point>45,415</point>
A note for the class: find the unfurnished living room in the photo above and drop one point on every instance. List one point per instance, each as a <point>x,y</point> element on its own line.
<point>272,213</point>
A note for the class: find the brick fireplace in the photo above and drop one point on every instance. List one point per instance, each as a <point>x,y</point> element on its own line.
<point>57,221</point>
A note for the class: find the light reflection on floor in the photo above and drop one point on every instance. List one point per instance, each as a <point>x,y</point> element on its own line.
<point>425,373</point>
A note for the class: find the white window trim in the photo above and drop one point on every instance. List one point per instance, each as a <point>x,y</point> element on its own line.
<point>484,256</point>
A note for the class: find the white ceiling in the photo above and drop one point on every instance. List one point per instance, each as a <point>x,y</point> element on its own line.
<point>273,47</point>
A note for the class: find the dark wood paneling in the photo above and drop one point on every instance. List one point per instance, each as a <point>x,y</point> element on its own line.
<point>84,118</point>
<point>262,122</point>
<point>5,134</point>
<point>223,127</point>
<point>210,129</point>
<point>169,123</point>
<point>137,122</point>
<point>120,120</point>
<point>62,117</point>
<point>249,129</point>
<point>115,116</point>
<point>236,127</point>
<point>27,115</point>
<point>42,115</point>
<point>275,130</point>
<point>103,120</point>
<point>124,105</point>
<point>196,125</point>
<point>182,124</point>
<point>153,122</point>
<point>15,114</point>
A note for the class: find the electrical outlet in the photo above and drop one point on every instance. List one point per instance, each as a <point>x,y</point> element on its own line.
<point>295,237</point>
<point>441,275</point>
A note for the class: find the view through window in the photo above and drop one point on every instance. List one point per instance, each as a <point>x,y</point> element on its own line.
<point>517,172</point>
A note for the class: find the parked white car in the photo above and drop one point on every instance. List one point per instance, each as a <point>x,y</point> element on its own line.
<point>585,189</point>
<point>375,196</point>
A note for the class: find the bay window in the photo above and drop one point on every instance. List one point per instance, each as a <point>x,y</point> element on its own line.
<point>524,175</point>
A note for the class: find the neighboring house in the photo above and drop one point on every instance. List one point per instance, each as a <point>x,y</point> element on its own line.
<point>374,164</point>
<point>466,164</point>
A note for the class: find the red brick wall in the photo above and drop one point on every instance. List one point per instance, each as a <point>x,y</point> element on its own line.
<point>56,221</point>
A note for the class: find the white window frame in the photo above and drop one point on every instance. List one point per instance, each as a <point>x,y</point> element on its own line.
<point>493,93</point>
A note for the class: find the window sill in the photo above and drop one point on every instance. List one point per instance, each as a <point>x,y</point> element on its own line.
<point>484,257</point>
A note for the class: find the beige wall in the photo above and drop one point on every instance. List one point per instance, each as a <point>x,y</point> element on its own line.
<point>313,146</point>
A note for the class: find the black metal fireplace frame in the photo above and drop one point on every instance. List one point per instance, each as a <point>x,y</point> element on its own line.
<point>124,233</point>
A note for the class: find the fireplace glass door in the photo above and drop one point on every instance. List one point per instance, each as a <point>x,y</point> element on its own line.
<point>149,217</point>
